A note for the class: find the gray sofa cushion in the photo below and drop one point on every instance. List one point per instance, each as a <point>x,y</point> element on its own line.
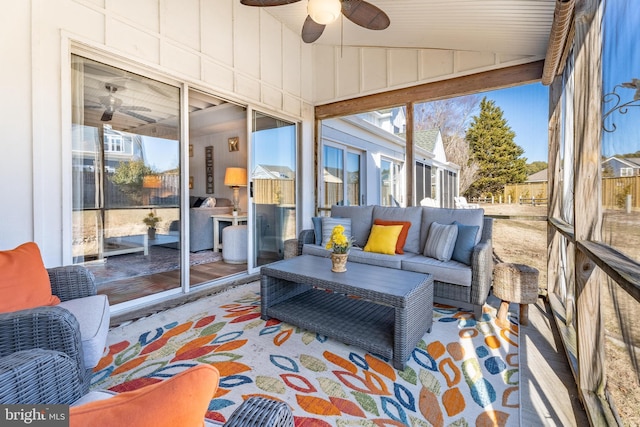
<point>374,258</point>
<point>411,214</point>
<point>443,271</point>
<point>317,250</point>
<point>360,256</point>
<point>93,316</point>
<point>448,216</point>
<point>361,221</point>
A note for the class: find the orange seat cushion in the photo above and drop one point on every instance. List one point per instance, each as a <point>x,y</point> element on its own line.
<point>24,281</point>
<point>402,238</point>
<point>181,400</point>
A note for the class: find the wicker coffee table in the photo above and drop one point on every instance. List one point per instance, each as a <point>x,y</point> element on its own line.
<point>382,310</point>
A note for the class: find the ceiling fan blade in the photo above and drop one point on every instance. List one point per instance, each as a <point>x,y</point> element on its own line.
<point>311,30</point>
<point>266,3</point>
<point>365,14</point>
<point>106,116</point>
<point>138,116</point>
<point>134,108</point>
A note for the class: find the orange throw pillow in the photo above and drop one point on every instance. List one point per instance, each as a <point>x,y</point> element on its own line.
<point>181,400</point>
<point>24,282</point>
<point>402,238</point>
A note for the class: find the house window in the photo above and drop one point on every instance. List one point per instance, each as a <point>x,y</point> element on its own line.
<point>626,171</point>
<point>391,183</point>
<point>341,175</point>
<point>423,181</point>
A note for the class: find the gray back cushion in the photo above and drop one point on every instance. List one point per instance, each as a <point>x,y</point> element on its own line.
<point>412,214</point>
<point>448,216</point>
<point>361,220</point>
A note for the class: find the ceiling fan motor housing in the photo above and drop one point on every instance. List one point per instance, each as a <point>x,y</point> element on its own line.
<point>324,11</point>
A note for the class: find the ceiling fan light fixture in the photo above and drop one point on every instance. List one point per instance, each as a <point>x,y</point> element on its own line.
<point>324,12</point>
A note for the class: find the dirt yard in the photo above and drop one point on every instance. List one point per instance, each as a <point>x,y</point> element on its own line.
<point>525,241</point>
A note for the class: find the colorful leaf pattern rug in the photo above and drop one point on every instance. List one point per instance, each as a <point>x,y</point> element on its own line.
<point>462,373</point>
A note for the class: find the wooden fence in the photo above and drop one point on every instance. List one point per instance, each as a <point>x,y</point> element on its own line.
<point>614,192</point>
<point>517,193</point>
<point>87,192</point>
<point>274,192</point>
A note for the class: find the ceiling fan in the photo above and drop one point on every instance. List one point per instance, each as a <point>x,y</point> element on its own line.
<point>323,12</point>
<point>111,104</point>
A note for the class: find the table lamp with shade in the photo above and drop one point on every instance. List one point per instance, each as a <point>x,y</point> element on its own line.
<point>235,178</point>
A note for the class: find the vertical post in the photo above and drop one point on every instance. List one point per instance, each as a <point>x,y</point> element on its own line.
<point>554,238</point>
<point>587,204</point>
<point>410,156</point>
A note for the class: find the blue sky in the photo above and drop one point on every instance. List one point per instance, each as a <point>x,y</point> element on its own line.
<point>621,64</point>
<point>526,110</point>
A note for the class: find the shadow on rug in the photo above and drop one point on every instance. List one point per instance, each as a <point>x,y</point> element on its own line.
<point>159,260</point>
<point>462,373</point>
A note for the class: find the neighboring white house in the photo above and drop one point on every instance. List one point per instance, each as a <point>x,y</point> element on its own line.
<point>619,167</point>
<point>435,177</point>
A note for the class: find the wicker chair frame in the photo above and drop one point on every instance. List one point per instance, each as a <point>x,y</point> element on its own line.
<point>51,327</point>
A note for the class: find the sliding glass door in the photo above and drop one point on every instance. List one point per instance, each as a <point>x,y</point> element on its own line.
<point>272,186</point>
<point>126,179</point>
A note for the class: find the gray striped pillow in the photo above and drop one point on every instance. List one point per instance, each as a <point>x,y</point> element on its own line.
<point>327,227</point>
<point>441,241</point>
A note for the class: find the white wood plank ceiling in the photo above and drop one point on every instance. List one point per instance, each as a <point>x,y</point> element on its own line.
<point>507,27</point>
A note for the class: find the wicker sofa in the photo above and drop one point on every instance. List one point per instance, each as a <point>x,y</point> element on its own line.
<point>455,283</point>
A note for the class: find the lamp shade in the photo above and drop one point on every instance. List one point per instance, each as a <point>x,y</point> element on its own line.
<point>151,181</point>
<point>324,11</point>
<point>235,177</point>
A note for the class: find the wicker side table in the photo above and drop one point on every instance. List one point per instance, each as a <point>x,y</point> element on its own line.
<point>515,283</point>
<point>290,248</point>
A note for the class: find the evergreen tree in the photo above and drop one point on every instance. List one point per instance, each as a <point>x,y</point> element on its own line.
<point>493,147</point>
<point>534,167</point>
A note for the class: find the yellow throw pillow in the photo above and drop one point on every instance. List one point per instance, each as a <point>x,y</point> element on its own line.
<point>383,239</point>
<point>181,400</point>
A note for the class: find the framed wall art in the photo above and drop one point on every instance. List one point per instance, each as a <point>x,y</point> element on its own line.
<point>208,162</point>
<point>234,144</point>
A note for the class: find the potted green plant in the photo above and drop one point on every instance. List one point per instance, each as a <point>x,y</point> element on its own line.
<point>151,220</point>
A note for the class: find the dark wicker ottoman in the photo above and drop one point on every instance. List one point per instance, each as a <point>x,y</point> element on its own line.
<point>392,310</point>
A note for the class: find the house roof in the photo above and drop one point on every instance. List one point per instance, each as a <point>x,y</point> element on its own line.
<point>426,139</point>
<point>633,162</point>
<point>273,172</point>
<point>538,176</point>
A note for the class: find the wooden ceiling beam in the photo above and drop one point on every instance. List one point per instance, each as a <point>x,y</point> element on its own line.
<point>474,83</point>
